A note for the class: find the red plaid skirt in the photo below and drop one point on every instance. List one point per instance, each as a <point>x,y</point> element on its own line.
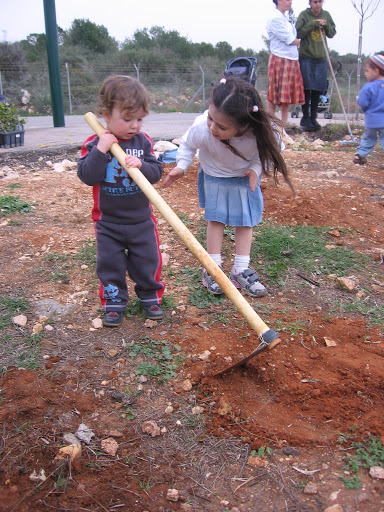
<point>285,81</point>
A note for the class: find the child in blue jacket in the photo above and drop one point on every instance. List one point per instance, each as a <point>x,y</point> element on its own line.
<point>371,101</point>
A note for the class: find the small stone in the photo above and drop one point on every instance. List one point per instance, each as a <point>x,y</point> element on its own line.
<point>186,385</point>
<point>197,410</point>
<point>289,450</point>
<point>97,323</point>
<point>110,446</point>
<point>334,508</point>
<point>48,328</point>
<point>204,356</point>
<point>70,438</point>
<point>37,328</point>
<point>224,406</point>
<point>20,320</point>
<point>151,428</point>
<point>172,495</point>
<point>168,410</point>
<point>344,282</point>
<point>310,488</point>
<point>259,462</point>
<point>377,472</point>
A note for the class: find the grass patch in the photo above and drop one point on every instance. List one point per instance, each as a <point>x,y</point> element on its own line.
<point>162,359</point>
<point>87,254</point>
<point>11,307</point>
<point>58,266</point>
<point>308,252</point>
<point>17,348</point>
<point>368,308</point>
<point>13,204</point>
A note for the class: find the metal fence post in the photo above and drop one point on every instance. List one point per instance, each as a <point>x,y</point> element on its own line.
<point>137,72</point>
<point>202,71</point>
<point>69,88</point>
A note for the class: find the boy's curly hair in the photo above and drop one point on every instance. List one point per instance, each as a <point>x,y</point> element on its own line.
<point>125,92</point>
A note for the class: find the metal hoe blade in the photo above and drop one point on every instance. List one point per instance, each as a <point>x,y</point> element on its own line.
<point>264,345</point>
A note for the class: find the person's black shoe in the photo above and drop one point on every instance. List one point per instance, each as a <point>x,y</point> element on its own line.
<point>113,319</point>
<point>154,312</point>
<point>306,123</point>
<point>316,125</point>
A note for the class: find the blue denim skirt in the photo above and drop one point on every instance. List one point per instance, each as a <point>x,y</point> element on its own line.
<point>314,73</point>
<point>230,200</point>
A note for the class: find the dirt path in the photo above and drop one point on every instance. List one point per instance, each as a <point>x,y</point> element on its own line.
<point>299,407</point>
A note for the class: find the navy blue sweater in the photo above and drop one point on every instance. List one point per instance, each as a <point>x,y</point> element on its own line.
<point>116,196</point>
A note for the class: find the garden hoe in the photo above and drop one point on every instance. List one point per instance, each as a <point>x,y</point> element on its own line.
<point>269,339</point>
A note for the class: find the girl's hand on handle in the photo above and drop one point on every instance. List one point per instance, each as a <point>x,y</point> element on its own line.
<point>106,140</point>
<point>253,179</point>
<point>133,161</point>
<point>322,22</point>
<point>174,175</point>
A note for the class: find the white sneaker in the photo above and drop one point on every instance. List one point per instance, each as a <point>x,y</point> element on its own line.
<point>248,281</point>
<point>211,284</point>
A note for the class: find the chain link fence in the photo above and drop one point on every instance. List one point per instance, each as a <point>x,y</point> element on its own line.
<point>172,89</point>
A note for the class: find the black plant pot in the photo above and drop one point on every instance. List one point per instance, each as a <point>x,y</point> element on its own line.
<point>13,138</point>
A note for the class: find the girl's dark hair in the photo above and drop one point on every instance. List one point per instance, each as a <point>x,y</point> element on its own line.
<point>237,100</point>
<point>125,92</point>
<point>275,2</point>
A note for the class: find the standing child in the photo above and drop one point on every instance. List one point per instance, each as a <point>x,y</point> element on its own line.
<point>237,142</point>
<point>371,101</point>
<point>126,234</point>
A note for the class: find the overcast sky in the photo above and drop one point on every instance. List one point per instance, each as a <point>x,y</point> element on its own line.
<point>241,23</point>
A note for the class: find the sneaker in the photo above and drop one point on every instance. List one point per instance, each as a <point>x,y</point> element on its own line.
<point>248,281</point>
<point>211,284</point>
<point>113,319</point>
<point>154,312</point>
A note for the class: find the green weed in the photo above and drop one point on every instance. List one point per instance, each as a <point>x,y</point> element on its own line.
<point>13,204</point>
<point>261,452</point>
<point>161,362</point>
<point>368,453</point>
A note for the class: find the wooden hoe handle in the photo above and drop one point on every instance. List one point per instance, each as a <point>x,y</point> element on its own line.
<point>265,334</point>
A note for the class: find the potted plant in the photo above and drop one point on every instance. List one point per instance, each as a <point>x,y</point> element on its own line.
<point>11,126</point>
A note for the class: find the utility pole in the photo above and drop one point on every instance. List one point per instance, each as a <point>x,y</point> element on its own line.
<point>53,63</point>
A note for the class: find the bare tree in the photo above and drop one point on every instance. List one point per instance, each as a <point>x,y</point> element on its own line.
<point>366,9</point>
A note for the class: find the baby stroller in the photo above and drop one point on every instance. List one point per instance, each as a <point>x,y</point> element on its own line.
<point>325,99</point>
<point>241,67</point>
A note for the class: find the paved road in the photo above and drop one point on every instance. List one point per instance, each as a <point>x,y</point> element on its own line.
<point>40,133</point>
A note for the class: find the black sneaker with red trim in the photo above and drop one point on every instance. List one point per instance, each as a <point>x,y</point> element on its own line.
<point>113,319</point>
<point>154,312</point>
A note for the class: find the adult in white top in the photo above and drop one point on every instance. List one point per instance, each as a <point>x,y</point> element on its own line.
<point>284,76</point>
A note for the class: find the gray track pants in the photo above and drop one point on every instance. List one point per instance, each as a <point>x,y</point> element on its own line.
<point>132,248</point>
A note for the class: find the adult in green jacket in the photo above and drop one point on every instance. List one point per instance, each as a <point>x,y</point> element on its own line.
<point>313,58</point>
